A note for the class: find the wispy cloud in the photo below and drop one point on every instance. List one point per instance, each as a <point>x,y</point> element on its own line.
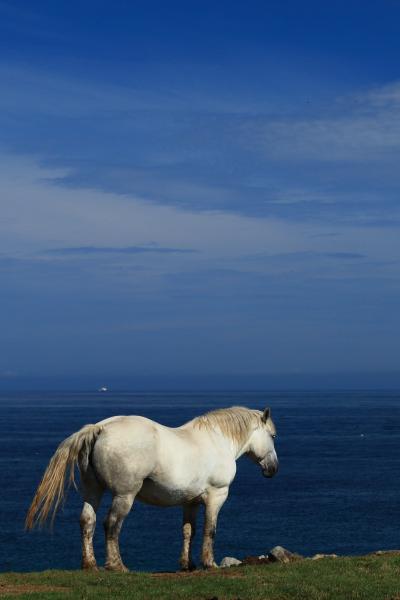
<point>356,127</point>
<point>344,255</point>
<point>386,96</point>
<point>309,255</point>
<point>87,250</point>
<point>305,256</point>
<point>336,164</point>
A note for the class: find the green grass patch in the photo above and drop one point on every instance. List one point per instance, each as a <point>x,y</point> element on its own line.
<point>364,578</point>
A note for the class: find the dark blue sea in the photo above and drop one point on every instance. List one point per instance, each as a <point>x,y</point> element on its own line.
<point>337,489</point>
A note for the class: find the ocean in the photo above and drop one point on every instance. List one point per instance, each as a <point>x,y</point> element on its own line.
<point>337,489</point>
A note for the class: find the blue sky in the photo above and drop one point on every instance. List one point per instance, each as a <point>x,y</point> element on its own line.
<point>199,190</point>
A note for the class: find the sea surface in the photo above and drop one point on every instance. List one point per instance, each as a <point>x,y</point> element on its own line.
<point>337,490</point>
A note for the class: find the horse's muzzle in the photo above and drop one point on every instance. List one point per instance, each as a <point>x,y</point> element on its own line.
<point>270,467</point>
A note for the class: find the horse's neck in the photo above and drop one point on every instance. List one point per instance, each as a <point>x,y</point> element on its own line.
<point>233,446</point>
<point>243,448</point>
<point>237,448</point>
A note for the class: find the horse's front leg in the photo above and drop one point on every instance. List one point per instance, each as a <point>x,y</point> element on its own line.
<point>213,500</point>
<point>189,530</point>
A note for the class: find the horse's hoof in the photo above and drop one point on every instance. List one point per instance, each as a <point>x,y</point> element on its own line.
<point>89,567</point>
<point>212,565</point>
<point>117,568</point>
<point>188,567</point>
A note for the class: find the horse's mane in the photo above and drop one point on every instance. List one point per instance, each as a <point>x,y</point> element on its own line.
<point>236,422</point>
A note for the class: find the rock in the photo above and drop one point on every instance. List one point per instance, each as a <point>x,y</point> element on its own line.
<point>229,561</point>
<point>385,553</point>
<point>319,556</point>
<point>279,554</point>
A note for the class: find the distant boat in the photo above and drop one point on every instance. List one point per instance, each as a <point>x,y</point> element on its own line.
<point>103,389</point>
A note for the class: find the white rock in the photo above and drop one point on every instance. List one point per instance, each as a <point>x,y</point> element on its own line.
<point>279,554</point>
<point>229,561</point>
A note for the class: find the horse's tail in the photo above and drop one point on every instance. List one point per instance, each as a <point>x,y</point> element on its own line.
<point>50,492</point>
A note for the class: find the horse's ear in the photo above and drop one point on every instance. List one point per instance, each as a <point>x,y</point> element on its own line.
<point>266,414</point>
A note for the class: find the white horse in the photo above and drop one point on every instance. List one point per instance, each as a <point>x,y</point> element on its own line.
<point>135,457</point>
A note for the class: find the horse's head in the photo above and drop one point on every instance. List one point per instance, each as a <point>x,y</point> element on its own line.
<point>261,448</point>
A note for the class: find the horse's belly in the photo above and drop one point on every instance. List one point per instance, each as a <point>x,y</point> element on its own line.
<point>161,494</point>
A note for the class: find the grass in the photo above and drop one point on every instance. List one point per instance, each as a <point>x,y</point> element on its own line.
<point>364,578</point>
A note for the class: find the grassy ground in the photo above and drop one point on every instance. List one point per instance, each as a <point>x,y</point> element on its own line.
<point>366,578</point>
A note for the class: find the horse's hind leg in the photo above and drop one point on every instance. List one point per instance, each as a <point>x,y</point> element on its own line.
<point>189,530</point>
<point>120,507</point>
<point>92,493</point>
